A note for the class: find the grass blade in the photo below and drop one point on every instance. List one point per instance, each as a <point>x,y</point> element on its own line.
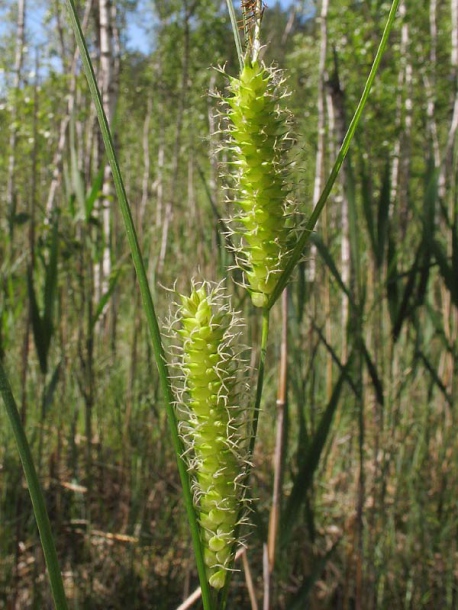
<point>305,235</point>
<point>299,601</point>
<point>329,261</point>
<point>112,283</point>
<point>382,217</point>
<point>51,388</point>
<point>50,288</point>
<point>311,460</point>
<point>448,273</point>
<point>235,31</point>
<point>39,332</point>
<point>368,205</point>
<point>435,377</point>
<point>148,305</point>
<point>375,378</point>
<point>36,494</point>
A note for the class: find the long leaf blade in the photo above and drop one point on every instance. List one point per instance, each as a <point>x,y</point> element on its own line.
<point>147,299</point>
<point>310,225</point>
<point>311,460</point>
<point>36,493</point>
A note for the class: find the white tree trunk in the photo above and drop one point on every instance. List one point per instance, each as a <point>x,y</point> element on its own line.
<point>18,61</point>
<point>108,82</point>
<point>319,163</point>
<point>395,167</point>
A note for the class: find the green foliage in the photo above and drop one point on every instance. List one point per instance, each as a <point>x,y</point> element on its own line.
<point>43,321</point>
<point>368,496</point>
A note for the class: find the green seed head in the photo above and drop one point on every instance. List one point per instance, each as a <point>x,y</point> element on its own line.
<point>212,420</point>
<point>259,139</point>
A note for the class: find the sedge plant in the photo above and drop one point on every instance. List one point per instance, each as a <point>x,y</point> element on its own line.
<point>213,424</point>
<point>212,431</point>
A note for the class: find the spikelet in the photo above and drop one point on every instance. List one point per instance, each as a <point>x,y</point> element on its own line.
<point>212,423</point>
<point>259,141</point>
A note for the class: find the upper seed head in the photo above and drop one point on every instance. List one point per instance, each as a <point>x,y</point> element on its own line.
<point>259,139</point>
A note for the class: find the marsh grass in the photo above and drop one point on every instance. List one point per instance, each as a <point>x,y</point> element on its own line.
<point>369,513</point>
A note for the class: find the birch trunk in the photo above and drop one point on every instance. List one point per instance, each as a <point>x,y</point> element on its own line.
<point>18,62</point>
<point>397,145</point>
<point>169,208</point>
<point>319,163</point>
<point>109,85</point>
<point>338,125</point>
<point>448,179</point>
<point>429,79</point>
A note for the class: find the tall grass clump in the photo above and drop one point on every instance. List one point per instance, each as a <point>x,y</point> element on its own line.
<point>211,429</point>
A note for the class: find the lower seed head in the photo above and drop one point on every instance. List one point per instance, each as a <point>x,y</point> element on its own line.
<point>214,427</point>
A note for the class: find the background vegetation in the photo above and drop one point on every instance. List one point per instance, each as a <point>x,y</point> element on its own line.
<point>369,511</point>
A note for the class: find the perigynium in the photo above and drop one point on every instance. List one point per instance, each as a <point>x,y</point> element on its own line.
<point>212,422</point>
<point>259,141</point>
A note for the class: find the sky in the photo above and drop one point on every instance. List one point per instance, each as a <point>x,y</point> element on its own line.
<point>138,37</point>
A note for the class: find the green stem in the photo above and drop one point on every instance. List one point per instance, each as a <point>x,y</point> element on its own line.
<point>256,42</point>
<point>299,248</point>
<point>260,383</point>
<point>36,494</point>
<point>235,31</point>
<point>254,426</point>
<point>147,300</point>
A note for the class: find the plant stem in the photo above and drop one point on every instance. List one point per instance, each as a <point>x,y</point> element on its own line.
<point>36,494</point>
<point>235,31</point>
<point>256,43</point>
<point>282,401</point>
<point>260,383</point>
<point>254,422</point>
